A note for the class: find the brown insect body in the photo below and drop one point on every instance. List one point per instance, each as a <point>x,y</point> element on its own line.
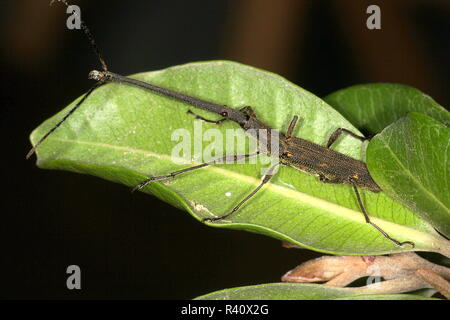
<point>331,166</point>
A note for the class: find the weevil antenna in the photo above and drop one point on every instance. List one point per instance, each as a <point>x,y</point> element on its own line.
<point>88,34</point>
<point>94,46</point>
<point>56,126</point>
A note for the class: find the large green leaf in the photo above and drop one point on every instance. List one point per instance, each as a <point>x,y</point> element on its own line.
<point>410,160</point>
<point>301,291</point>
<point>123,134</point>
<point>372,107</point>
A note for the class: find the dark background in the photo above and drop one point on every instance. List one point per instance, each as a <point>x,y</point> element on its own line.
<point>133,245</point>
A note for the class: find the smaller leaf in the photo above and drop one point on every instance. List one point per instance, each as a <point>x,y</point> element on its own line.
<point>410,161</point>
<point>372,107</point>
<point>402,272</point>
<point>295,291</point>
<point>387,297</point>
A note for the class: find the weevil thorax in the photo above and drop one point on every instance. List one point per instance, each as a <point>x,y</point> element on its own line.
<point>268,138</point>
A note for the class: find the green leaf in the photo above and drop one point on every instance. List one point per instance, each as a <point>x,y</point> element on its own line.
<point>410,160</point>
<point>387,297</point>
<point>301,291</point>
<point>372,107</point>
<point>123,134</point>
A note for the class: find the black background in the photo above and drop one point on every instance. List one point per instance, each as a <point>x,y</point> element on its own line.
<point>133,245</point>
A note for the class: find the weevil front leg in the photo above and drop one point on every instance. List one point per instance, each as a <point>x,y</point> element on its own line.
<point>233,158</point>
<point>206,120</point>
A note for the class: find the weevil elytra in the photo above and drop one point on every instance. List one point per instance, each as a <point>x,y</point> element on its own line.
<point>328,165</point>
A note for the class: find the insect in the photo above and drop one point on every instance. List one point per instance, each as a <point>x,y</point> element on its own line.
<point>330,166</point>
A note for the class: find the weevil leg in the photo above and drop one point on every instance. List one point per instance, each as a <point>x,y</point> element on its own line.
<point>366,216</point>
<point>202,165</point>
<point>339,131</point>
<point>291,127</point>
<point>269,174</point>
<point>324,179</point>
<point>97,52</point>
<point>207,120</point>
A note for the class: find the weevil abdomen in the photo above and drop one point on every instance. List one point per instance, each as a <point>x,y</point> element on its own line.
<point>334,166</point>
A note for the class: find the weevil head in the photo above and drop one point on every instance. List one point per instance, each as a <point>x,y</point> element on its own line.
<point>251,121</point>
<point>96,75</point>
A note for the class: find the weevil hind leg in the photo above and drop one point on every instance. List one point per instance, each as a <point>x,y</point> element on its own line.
<point>367,218</point>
